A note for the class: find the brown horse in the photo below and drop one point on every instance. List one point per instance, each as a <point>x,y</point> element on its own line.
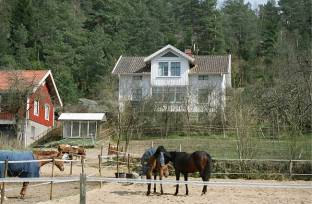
<point>155,167</point>
<point>37,155</point>
<point>199,161</point>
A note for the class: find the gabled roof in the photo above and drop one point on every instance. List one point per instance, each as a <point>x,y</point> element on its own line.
<point>126,65</point>
<point>83,116</point>
<point>203,64</point>
<point>210,64</point>
<point>33,78</point>
<point>166,48</point>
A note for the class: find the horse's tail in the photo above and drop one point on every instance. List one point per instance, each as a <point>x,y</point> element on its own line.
<point>208,168</point>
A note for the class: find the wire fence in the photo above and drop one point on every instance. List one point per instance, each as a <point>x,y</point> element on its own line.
<point>104,158</point>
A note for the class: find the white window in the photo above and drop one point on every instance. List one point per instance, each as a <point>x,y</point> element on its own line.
<point>175,69</point>
<point>203,95</point>
<point>163,69</point>
<point>137,77</point>
<point>137,94</point>
<point>46,111</point>
<point>169,94</point>
<point>36,107</point>
<point>203,77</point>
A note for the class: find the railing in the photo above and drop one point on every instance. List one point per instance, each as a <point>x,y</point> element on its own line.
<point>7,116</point>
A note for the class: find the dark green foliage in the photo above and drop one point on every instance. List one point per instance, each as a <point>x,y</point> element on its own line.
<point>80,41</point>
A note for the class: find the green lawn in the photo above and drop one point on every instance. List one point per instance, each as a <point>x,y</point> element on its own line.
<point>226,147</point>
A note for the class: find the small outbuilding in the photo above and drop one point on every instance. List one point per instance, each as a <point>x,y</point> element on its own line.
<point>81,125</point>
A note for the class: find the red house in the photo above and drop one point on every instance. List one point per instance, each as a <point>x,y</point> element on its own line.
<point>27,104</point>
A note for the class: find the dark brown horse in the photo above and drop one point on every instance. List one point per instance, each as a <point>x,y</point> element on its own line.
<point>185,163</point>
<point>14,169</point>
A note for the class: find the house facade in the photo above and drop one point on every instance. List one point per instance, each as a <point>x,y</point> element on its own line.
<point>32,116</point>
<point>179,79</point>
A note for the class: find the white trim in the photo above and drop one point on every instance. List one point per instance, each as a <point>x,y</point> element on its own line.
<point>57,93</point>
<point>150,57</point>
<point>55,88</point>
<point>116,64</point>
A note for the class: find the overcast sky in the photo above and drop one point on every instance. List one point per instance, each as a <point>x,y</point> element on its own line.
<point>254,3</point>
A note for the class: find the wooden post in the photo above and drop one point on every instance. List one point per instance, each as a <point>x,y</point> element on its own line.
<point>100,168</point>
<point>71,167</point>
<point>117,163</point>
<point>180,148</point>
<point>108,148</point>
<point>290,168</point>
<point>6,164</point>
<point>82,165</point>
<point>51,186</point>
<point>152,143</point>
<point>102,150</point>
<point>128,163</point>
<point>83,179</point>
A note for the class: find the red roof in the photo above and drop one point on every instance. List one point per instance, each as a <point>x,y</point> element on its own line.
<point>33,77</point>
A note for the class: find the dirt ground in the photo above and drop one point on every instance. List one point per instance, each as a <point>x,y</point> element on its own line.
<point>125,193</point>
<point>117,193</point>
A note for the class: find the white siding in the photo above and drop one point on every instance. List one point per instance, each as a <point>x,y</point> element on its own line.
<point>167,80</point>
<point>215,83</point>
<point>126,84</point>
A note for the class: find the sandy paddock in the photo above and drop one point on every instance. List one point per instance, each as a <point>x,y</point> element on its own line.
<point>68,193</point>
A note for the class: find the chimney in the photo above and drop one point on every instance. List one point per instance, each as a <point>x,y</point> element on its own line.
<point>188,52</point>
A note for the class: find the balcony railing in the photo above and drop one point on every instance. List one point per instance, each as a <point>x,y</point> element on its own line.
<point>6,116</point>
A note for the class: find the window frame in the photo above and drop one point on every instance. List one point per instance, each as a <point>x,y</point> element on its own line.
<point>134,94</point>
<point>47,116</point>
<point>36,107</point>
<point>164,69</point>
<point>203,77</point>
<point>137,78</point>
<point>206,96</point>
<point>173,69</point>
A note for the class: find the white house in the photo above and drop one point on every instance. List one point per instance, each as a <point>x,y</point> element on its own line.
<point>173,77</point>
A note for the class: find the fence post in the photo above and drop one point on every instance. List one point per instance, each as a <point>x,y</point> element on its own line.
<point>51,185</point>
<point>100,168</point>
<point>128,163</point>
<point>152,143</point>
<point>180,148</point>
<point>83,179</point>
<point>82,165</point>
<point>6,164</point>
<point>290,168</point>
<point>71,166</point>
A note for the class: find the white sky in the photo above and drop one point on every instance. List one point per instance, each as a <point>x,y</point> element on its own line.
<point>254,3</point>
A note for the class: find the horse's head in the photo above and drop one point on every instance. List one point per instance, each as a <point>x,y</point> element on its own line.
<point>60,164</point>
<point>165,170</point>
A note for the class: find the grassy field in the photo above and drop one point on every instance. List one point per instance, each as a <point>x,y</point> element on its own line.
<point>220,146</point>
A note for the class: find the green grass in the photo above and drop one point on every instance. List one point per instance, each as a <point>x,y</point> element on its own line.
<point>71,141</point>
<point>226,147</point>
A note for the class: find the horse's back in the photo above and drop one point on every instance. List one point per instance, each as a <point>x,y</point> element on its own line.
<point>27,169</point>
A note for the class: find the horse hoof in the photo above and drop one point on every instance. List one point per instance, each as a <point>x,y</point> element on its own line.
<point>148,193</point>
<point>176,194</point>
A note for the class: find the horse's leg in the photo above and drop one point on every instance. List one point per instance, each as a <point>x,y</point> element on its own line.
<point>205,174</point>
<point>161,173</point>
<point>177,178</point>
<point>148,176</point>
<point>23,191</point>
<point>155,177</point>
<point>185,179</point>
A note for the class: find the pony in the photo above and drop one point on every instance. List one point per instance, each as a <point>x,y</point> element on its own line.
<point>154,167</point>
<point>199,161</point>
<point>28,169</point>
